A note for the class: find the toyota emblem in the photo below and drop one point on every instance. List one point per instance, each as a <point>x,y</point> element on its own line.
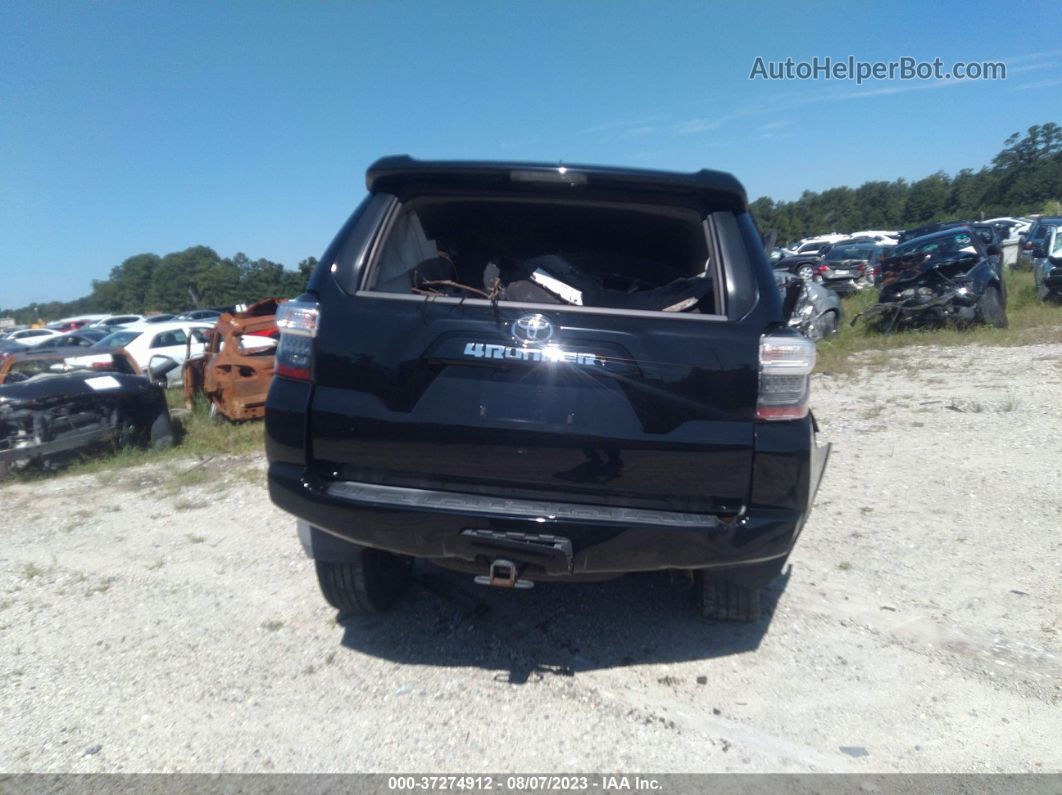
<point>532,330</point>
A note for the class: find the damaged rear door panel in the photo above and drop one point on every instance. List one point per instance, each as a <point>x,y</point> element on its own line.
<point>234,372</point>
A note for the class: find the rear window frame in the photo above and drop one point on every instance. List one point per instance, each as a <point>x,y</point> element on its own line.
<point>396,207</point>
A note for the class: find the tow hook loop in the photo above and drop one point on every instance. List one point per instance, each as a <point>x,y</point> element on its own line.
<point>503,574</point>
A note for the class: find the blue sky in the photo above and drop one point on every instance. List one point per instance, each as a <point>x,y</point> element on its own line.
<point>247,126</point>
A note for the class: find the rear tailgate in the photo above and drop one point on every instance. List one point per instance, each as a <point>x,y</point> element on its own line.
<point>650,411</point>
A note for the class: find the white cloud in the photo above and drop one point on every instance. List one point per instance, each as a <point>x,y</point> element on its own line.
<point>622,124</point>
<point>698,125</point>
<point>1032,67</point>
<point>1051,81</point>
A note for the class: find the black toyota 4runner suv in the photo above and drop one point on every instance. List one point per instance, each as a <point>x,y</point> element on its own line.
<point>535,372</point>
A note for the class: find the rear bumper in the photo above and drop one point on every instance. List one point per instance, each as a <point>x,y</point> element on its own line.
<point>554,540</point>
<point>842,286</point>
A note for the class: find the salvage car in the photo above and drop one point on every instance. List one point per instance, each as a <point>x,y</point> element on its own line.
<point>1034,240</point>
<point>531,373</point>
<point>817,310</point>
<point>234,372</point>
<point>146,340</point>
<point>1047,266</point>
<point>806,266</point>
<point>54,404</point>
<point>30,337</point>
<point>846,268</point>
<point>83,338</point>
<point>943,277</point>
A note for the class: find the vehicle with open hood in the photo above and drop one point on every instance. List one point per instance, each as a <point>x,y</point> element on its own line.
<point>532,372</point>
<point>59,403</point>
<point>946,276</point>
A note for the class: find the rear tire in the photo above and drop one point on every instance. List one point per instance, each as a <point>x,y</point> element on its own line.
<point>805,272</point>
<point>990,308</point>
<point>371,583</point>
<point>724,600</point>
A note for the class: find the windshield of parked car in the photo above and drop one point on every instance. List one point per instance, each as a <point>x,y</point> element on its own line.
<point>954,244</point>
<point>838,254</point>
<point>33,366</point>
<point>1041,231</point>
<point>118,339</point>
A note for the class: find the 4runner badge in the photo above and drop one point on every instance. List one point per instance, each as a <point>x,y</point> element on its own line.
<point>550,353</point>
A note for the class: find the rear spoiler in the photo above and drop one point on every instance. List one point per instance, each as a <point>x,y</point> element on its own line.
<point>402,175</point>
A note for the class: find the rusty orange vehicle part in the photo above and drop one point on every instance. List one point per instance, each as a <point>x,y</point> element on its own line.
<point>234,372</point>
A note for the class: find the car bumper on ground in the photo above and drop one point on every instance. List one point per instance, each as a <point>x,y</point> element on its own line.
<point>552,540</point>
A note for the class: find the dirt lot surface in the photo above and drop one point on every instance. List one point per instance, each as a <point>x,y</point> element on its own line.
<point>918,628</point>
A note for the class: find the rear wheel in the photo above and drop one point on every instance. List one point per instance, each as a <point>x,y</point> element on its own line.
<point>724,600</point>
<point>805,272</point>
<point>372,582</point>
<point>990,308</point>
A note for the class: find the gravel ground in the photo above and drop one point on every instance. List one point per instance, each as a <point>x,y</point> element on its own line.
<point>164,619</point>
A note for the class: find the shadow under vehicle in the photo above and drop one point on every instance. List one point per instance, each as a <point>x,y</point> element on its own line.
<point>531,373</point>
<point>947,276</point>
<point>56,404</point>
<point>554,630</point>
<point>234,371</point>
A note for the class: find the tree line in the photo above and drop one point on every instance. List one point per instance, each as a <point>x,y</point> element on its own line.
<point>194,278</point>
<point>1025,177</point>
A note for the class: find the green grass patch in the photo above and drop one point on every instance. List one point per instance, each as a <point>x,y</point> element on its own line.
<point>1030,321</point>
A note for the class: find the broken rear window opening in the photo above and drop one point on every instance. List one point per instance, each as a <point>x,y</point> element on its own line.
<point>549,253</point>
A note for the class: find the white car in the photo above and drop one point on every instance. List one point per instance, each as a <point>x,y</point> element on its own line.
<point>1016,226</point>
<point>884,237</point>
<point>145,340</point>
<point>811,245</point>
<point>114,321</point>
<point>32,336</point>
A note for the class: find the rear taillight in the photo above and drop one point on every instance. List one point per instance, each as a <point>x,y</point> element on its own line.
<point>297,322</point>
<point>823,268</point>
<point>785,374</point>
